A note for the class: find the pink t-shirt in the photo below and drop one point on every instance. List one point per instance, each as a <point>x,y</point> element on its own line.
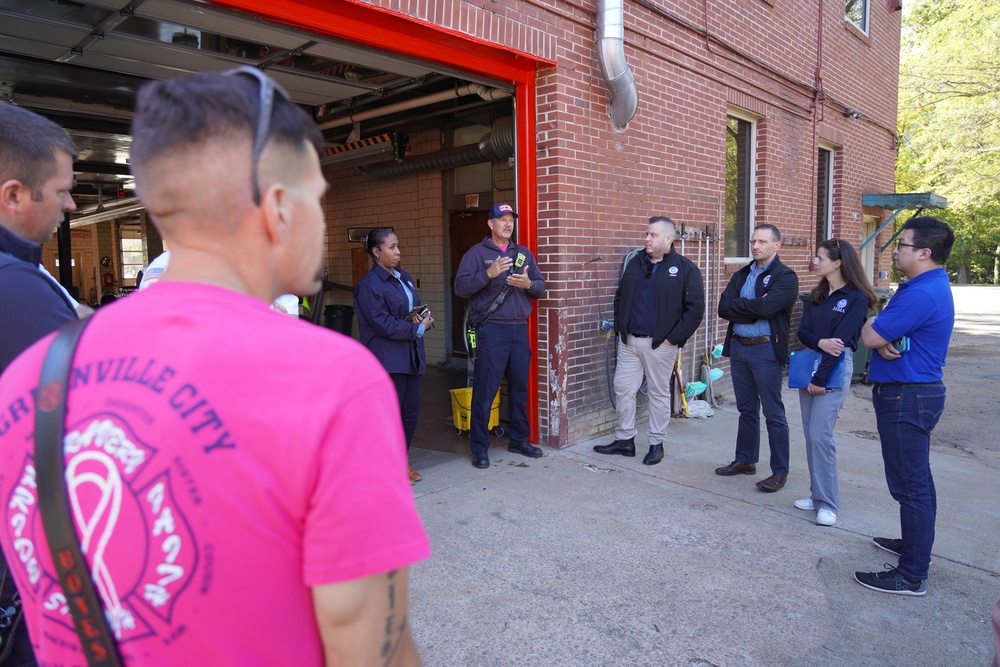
<point>221,459</point>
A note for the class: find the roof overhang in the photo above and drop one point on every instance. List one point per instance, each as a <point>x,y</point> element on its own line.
<point>900,202</point>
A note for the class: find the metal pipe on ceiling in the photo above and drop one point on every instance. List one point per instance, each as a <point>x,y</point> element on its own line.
<point>106,205</point>
<point>497,144</point>
<point>485,92</point>
<point>107,214</point>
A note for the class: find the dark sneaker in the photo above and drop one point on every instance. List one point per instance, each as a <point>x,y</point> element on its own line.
<point>890,545</point>
<point>887,544</point>
<point>890,581</point>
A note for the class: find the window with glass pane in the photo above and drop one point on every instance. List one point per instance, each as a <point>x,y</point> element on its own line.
<point>824,196</point>
<point>739,186</point>
<point>132,256</point>
<point>856,11</point>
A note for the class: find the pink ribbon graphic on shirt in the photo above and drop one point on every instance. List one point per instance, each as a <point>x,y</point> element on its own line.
<point>97,524</point>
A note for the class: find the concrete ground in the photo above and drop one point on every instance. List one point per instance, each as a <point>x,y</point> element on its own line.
<point>582,560</point>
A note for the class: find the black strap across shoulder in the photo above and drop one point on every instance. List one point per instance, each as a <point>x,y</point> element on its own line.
<point>74,575</point>
<point>499,301</point>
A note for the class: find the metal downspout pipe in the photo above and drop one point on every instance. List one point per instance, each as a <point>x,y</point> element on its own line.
<point>610,38</point>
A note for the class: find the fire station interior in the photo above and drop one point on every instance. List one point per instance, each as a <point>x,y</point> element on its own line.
<point>422,149</point>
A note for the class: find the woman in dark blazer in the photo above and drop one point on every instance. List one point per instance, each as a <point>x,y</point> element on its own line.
<point>392,325</point>
<point>831,324</point>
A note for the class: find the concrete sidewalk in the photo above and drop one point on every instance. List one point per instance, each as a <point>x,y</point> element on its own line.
<point>580,560</point>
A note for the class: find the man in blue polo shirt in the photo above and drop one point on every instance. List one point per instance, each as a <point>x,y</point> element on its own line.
<point>911,336</point>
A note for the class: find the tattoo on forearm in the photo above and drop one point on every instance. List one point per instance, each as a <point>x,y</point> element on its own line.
<point>393,631</point>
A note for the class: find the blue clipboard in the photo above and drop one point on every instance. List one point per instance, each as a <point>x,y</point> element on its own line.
<point>803,365</point>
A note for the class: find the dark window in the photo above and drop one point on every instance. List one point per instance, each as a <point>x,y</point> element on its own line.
<point>739,186</point>
<point>824,198</point>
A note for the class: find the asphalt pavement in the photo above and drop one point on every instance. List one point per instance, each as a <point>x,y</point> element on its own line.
<point>578,559</point>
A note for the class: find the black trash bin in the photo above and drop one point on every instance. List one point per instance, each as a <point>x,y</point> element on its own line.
<point>339,318</point>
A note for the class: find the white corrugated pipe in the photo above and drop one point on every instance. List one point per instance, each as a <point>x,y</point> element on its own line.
<point>611,55</point>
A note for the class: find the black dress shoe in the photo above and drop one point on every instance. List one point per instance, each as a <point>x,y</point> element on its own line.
<point>623,447</point>
<point>530,451</point>
<point>772,483</point>
<point>481,460</point>
<point>737,468</point>
<point>654,456</point>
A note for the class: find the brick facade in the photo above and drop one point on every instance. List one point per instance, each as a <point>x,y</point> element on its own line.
<point>693,62</point>
<point>779,64</point>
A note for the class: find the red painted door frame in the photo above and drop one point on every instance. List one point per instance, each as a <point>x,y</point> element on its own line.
<point>361,23</point>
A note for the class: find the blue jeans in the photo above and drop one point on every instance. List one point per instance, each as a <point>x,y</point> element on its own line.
<point>503,351</point>
<point>906,415</point>
<point>757,381</point>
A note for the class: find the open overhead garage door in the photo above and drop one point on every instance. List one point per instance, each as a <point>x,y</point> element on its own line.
<point>369,77</point>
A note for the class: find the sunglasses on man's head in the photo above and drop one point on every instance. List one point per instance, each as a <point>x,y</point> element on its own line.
<point>265,108</point>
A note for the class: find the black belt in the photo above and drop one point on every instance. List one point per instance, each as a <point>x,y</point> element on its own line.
<point>758,340</point>
<point>639,335</point>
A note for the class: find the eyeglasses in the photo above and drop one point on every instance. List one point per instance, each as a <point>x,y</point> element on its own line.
<point>909,245</point>
<point>266,105</point>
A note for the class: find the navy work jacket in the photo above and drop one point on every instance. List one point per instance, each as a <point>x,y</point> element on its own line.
<point>776,289</point>
<point>837,315</point>
<point>679,298</point>
<point>32,305</point>
<point>381,305</point>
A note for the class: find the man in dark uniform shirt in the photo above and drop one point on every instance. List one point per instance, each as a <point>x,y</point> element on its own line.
<point>36,176</point>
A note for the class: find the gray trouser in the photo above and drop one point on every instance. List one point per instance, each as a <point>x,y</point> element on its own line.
<point>635,358</point>
<point>819,417</point>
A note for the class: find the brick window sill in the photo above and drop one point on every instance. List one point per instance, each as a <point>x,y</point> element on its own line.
<point>857,32</point>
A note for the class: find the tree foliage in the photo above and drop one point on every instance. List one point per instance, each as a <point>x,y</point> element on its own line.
<point>949,121</point>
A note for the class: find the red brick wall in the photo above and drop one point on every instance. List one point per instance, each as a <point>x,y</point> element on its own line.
<point>693,62</point>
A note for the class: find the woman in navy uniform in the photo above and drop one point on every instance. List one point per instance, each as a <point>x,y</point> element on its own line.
<point>831,324</point>
<point>392,323</point>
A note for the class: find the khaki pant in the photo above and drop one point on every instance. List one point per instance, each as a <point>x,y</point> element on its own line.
<point>634,359</point>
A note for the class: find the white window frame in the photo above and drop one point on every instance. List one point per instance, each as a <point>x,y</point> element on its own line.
<point>865,15</point>
<point>751,119</point>
<point>831,168</point>
<point>127,233</point>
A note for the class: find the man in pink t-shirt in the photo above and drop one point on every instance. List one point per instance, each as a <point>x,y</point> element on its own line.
<point>237,504</point>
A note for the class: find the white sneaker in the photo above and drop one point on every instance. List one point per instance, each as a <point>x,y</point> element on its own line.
<point>825,517</point>
<point>805,504</point>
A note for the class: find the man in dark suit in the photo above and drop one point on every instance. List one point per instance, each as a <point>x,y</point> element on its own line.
<point>758,304</point>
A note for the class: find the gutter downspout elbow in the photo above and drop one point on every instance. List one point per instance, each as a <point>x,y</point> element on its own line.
<point>610,39</point>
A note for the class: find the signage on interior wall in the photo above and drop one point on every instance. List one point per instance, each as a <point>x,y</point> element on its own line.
<point>471,201</point>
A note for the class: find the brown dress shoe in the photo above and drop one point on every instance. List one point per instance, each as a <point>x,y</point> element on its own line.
<point>737,468</point>
<point>772,483</point>
<point>414,476</point>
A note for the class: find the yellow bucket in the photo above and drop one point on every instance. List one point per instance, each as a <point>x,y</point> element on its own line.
<point>461,409</point>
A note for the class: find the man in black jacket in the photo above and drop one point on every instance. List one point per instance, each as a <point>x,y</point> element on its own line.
<point>659,303</point>
<point>758,304</point>
<point>36,176</point>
